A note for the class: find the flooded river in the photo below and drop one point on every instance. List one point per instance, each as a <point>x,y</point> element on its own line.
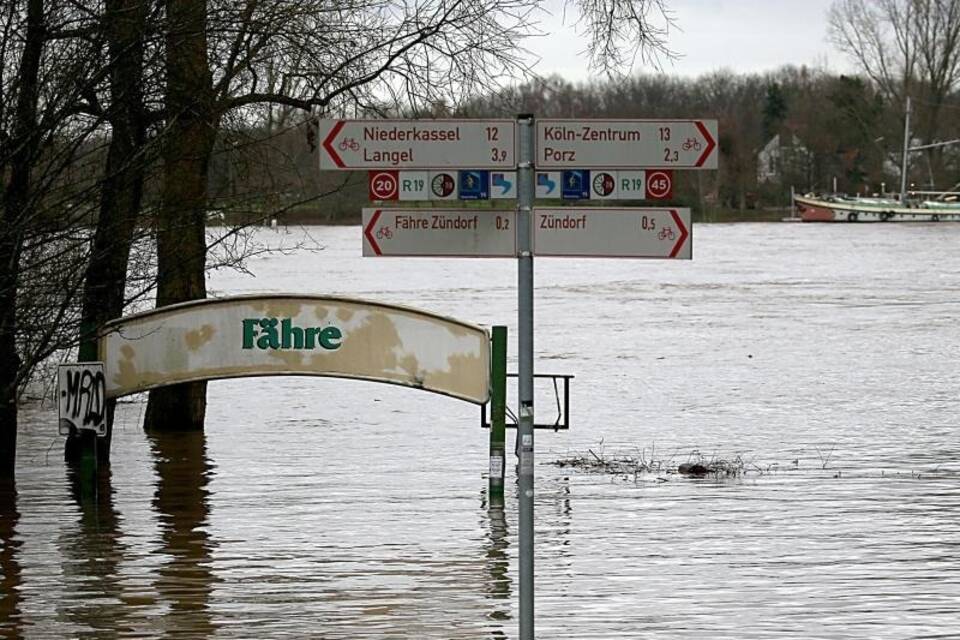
<point>824,359</point>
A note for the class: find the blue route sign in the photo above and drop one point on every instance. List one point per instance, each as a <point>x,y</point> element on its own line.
<point>575,185</point>
<point>474,185</point>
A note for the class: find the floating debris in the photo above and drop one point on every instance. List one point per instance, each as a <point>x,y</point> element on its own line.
<point>642,461</point>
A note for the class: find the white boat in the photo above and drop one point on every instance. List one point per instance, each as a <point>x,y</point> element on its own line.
<point>838,208</point>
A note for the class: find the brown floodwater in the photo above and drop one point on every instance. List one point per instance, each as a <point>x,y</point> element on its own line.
<point>823,358</point>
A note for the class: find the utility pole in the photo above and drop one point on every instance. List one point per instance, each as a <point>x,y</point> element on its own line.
<point>906,151</point>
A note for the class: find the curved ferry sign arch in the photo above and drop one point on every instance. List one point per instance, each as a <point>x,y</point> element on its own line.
<point>285,334</point>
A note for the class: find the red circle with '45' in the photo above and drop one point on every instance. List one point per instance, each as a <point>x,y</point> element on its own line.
<point>660,184</point>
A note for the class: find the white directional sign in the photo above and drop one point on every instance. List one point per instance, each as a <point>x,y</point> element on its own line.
<point>607,232</point>
<point>440,233</point>
<point>418,144</point>
<point>626,144</point>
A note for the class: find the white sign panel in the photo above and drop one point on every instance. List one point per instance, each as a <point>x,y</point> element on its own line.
<point>82,398</point>
<point>465,233</point>
<point>414,185</point>
<point>607,232</point>
<point>632,185</point>
<point>418,144</point>
<point>626,144</point>
<point>296,335</point>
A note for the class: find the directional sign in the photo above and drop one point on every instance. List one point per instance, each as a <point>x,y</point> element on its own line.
<point>626,144</point>
<point>606,232</point>
<point>439,233</point>
<point>417,144</point>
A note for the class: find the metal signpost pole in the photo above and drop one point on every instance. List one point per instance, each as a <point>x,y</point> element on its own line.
<point>525,195</point>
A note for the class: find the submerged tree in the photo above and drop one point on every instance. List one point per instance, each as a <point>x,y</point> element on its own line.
<point>359,58</point>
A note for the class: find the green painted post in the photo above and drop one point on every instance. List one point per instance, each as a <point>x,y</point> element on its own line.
<point>498,414</point>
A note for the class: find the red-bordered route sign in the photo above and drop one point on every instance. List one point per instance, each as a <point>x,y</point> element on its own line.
<point>383,185</point>
<point>659,184</point>
<point>418,144</point>
<point>608,232</point>
<point>626,144</point>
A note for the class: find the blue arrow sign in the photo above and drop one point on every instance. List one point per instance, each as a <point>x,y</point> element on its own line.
<point>543,180</point>
<point>500,181</point>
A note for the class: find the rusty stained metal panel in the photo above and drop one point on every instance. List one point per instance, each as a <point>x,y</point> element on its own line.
<point>204,340</point>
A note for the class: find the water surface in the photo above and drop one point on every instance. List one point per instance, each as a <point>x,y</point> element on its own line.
<point>825,357</point>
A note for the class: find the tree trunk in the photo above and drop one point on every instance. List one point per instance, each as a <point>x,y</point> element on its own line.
<point>23,149</point>
<point>181,226</point>
<point>106,276</point>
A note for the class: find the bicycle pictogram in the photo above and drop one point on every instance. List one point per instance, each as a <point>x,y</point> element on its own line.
<point>666,233</point>
<point>349,143</point>
<point>692,143</point>
<point>384,232</point>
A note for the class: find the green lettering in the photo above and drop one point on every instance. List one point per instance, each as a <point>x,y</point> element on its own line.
<point>249,332</point>
<point>312,333</point>
<point>330,338</point>
<point>290,335</point>
<point>268,336</point>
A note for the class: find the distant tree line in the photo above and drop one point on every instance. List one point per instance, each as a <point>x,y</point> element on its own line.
<point>794,128</point>
<point>826,131</point>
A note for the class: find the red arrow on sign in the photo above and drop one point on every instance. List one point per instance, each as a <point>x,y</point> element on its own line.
<point>710,144</point>
<point>328,142</point>
<point>684,234</point>
<point>368,232</point>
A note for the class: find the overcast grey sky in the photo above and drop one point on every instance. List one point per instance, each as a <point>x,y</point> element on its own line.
<point>740,35</point>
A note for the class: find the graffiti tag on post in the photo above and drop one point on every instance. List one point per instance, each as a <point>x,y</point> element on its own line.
<point>82,397</point>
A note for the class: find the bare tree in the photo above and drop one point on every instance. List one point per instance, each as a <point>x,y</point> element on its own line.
<point>358,57</point>
<point>46,148</point>
<point>124,28</point>
<point>20,149</point>
<point>908,48</point>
